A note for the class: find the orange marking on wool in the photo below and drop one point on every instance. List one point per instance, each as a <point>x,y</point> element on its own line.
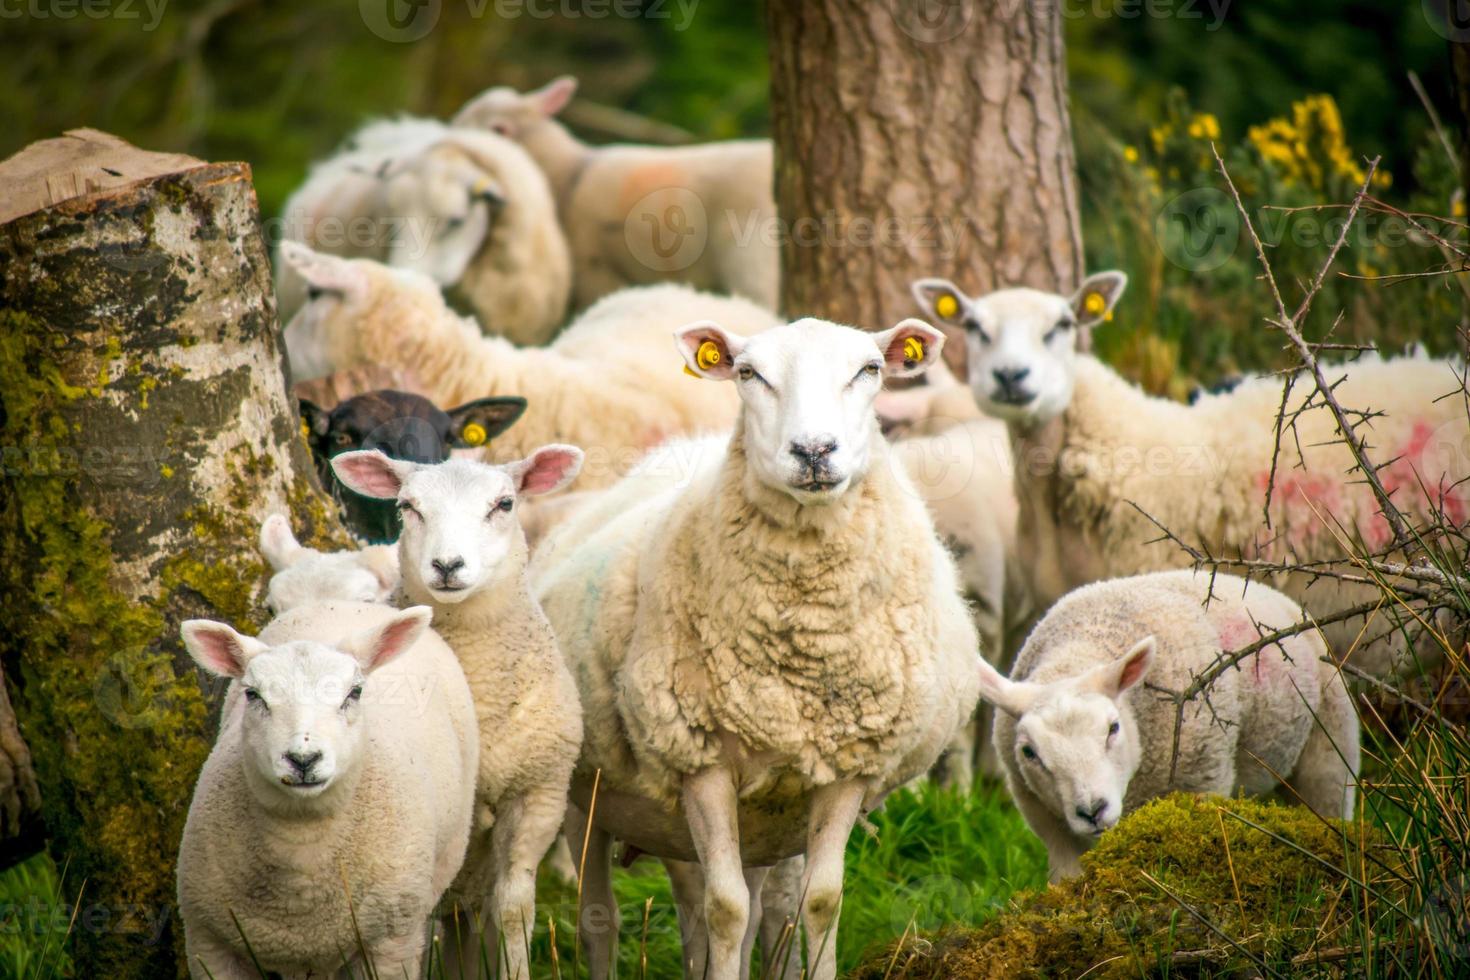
<point>642,181</point>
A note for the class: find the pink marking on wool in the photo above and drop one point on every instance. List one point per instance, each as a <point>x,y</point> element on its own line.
<point>1239,631</point>
<point>1297,500</point>
<point>1417,482</point>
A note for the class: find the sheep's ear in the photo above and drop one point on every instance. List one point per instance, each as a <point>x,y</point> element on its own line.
<point>376,647</point>
<point>1094,300</point>
<point>1013,697</point>
<point>347,278</point>
<point>278,544</point>
<point>548,468</point>
<point>910,348</point>
<point>941,300</point>
<point>218,648</point>
<point>553,97</point>
<point>382,561</point>
<point>476,423</point>
<point>1111,680</point>
<point>371,473</point>
<point>709,350</point>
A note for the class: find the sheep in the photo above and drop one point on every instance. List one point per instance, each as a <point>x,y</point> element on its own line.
<point>1088,445</point>
<point>634,214</point>
<point>335,807</point>
<point>304,575</point>
<point>1084,744</point>
<point>405,426</point>
<point>610,381</point>
<point>963,473</point>
<point>462,554</point>
<point>467,208</point>
<point>766,633</point>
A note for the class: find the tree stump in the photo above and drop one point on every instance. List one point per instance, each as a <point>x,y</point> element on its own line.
<point>919,139</point>
<point>146,432</point>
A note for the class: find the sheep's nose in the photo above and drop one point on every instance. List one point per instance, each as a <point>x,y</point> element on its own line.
<point>447,566</point>
<point>813,451</point>
<point>303,761</point>
<point>1006,377</point>
<point>1092,816</point>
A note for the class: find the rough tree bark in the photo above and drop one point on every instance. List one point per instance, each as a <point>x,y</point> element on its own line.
<point>146,431</point>
<point>943,127</point>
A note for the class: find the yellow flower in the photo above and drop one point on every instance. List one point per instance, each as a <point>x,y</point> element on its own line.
<point>1457,207</point>
<point>1130,153</point>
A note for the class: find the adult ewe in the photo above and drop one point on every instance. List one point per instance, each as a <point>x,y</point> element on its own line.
<point>467,208</point>
<point>610,381</point>
<point>1083,743</point>
<point>1088,444</point>
<point>767,643</point>
<point>334,809</point>
<point>463,555</point>
<point>633,214</point>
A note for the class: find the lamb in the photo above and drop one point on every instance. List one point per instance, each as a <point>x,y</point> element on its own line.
<point>335,807</point>
<point>405,426</point>
<point>465,207</point>
<point>304,576</point>
<point>767,642</point>
<point>635,214</point>
<point>1083,744</point>
<point>1089,444</point>
<point>609,381</point>
<point>463,555</point>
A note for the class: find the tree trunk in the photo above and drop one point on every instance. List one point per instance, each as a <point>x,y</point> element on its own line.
<point>918,138</point>
<point>146,433</point>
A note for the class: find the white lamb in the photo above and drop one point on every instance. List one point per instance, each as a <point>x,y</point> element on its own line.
<point>469,209</point>
<point>1083,743</point>
<point>1088,444</point>
<point>463,555</point>
<point>610,381</point>
<point>704,215</point>
<point>304,575</point>
<point>766,646</point>
<point>335,808</point>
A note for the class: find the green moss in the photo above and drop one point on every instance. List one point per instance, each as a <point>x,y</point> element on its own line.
<point>1125,916</point>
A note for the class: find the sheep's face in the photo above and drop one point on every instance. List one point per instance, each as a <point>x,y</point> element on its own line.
<point>305,575</point>
<point>443,206</point>
<point>1076,745</point>
<point>1021,344</point>
<point>512,114</point>
<point>807,390</point>
<point>302,719</point>
<point>461,535</point>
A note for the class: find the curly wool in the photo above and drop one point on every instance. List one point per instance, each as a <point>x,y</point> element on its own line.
<point>829,642</point>
<point>1202,472</point>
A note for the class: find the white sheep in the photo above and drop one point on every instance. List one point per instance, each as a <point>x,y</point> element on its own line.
<point>335,807</point>
<point>704,215</point>
<point>1083,743</point>
<point>610,381</point>
<point>304,575</point>
<point>467,208</point>
<point>767,643</point>
<point>1089,445</point>
<point>463,554</point>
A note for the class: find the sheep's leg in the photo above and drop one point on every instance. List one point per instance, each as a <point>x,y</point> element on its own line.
<point>1325,776</point>
<point>687,882</point>
<point>835,809</point>
<point>597,910</point>
<point>208,958</point>
<point>956,766</point>
<point>780,941</point>
<point>468,944</point>
<point>755,879</point>
<point>709,803</point>
<point>524,831</point>
<point>398,958</point>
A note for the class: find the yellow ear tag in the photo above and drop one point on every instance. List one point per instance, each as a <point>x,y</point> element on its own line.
<point>305,431</point>
<point>708,354</point>
<point>1095,304</point>
<point>913,349</point>
<point>947,306</point>
<point>480,186</point>
<point>474,434</point>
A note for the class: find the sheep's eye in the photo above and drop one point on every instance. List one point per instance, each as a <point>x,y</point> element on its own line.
<point>1112,729</point>
<point>353,695</point>
<point>454,223</point>
<point>870,370</point>
<point>252,696</point>
<point>503,505</point>
<point>405,508</point>
<point>314,292</point>
<point>342,438</point>
<point>1062,325</point>
<point>973,326</point>
<point>501,128</point>
<point>1027,752</point>
<point>745,373</point>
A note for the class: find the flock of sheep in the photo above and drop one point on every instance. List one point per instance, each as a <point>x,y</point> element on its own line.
<point>755,615</point>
